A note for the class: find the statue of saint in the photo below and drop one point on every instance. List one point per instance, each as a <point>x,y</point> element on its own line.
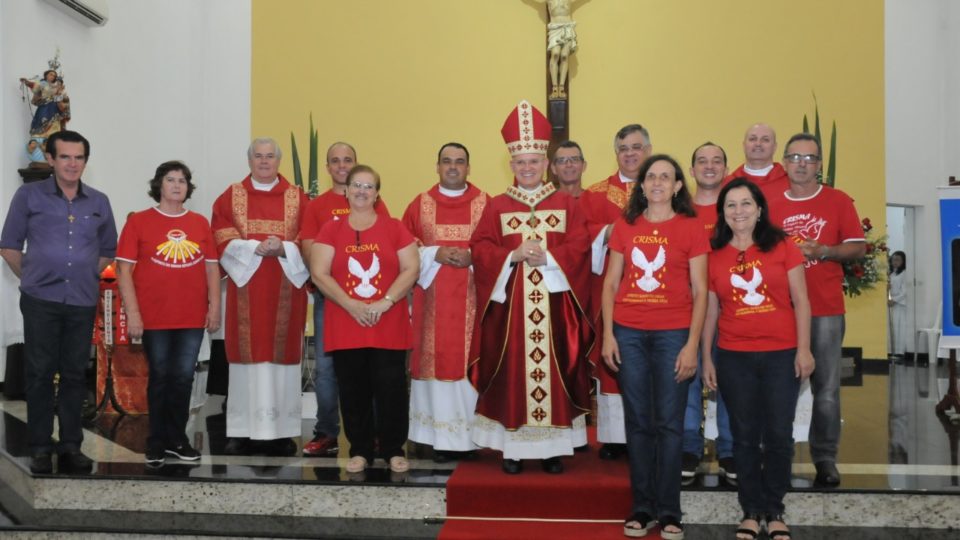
<point>52,103</point>
<point>561,43</point>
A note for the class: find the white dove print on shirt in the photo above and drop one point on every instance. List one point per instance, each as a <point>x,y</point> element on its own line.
<point>364,289</point>
<point>647,282</point>
<point>752,297</point>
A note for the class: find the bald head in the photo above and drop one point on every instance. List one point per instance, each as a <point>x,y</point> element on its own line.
<point>759,146</point>
<point>341,157</point>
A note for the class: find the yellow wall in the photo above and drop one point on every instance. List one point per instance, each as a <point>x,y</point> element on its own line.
<point>399,78</point>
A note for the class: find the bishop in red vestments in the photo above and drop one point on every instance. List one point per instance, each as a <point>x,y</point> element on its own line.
<point>528,357</point>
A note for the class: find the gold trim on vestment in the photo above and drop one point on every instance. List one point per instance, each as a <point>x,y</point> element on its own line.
<point>283,320</point>
<point>538,352</point>
<point>243,325</point>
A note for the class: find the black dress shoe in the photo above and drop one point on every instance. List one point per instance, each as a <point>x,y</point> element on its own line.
<point>583,448</point>
<point>41,463</point>
<point>281,447</point>
<point>236,446</point>
<point>552,465</point>
<point>612,451</point>
<point>512,466</point>
<point>443,456</point>
<point>74,461</point>
<point>827,474</point>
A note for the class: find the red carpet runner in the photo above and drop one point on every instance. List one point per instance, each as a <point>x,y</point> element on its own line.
<point>588,489</point>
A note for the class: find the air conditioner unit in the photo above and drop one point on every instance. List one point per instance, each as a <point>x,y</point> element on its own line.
<point>88,12</point>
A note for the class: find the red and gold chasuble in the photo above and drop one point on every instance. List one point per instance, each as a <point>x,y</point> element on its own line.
<point>444,313</point>
<point>603,205</point>
<point>265,317</point>
<point>528,358</point>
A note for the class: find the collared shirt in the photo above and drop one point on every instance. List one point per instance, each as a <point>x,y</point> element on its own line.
<point>65,240</point>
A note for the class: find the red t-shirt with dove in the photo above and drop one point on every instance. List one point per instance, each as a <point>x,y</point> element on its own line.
<point>829,217</point>
<point>654,292</point>
<point>365,264</point>
<point>756,311</point>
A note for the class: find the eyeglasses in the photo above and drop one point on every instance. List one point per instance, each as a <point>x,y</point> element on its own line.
<point>741,259</point>
<point>363,187</point>
<point>806,158</point>
<point>564,160</point>
<point>636,148</point>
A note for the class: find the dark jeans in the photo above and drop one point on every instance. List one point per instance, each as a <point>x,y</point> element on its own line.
<point>56,340</point>
<point>761,392</point>
<point>373,375</point>
<point>172,357</point>
<point>653,407</point>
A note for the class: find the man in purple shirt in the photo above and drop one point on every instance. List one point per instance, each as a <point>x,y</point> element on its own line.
<point>70,238</point>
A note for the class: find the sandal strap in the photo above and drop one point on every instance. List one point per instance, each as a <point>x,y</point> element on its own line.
<point>776,517</point>
<point>668,520</point>
<point>749,532</point>
<point>642,518</point>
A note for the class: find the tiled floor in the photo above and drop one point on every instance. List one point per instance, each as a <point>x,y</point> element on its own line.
<point>892,441</point>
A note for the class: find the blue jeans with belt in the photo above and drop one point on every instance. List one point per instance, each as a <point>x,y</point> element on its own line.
<point>653,406</point>
<point>761,390</point>
<point>172,357</point>
<point>56,340</point>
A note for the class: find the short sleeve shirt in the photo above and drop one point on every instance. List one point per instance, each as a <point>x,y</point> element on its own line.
<point>756,310</point>
<point>169,274</point>
<point>365,264</point>
<point>654,293</point>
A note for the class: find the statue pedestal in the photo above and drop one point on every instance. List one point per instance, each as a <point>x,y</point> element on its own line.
<point>35,171</point>
<point>557,113</point>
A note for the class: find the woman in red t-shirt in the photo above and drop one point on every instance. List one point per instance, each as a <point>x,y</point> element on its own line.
<point>365,265</point>
<point>169,280</point>
<point>759,295</point>
<point>653,305</point>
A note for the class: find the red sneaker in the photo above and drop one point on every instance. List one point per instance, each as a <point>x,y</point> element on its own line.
<point>323,446</point>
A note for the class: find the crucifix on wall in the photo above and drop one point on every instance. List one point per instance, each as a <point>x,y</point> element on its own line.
<point>561,44</point>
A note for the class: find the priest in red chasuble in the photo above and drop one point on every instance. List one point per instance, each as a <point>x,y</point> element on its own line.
<point>442,401</point>
<point>255,225</point>
<point>528,357</point>
<point>603,204</point>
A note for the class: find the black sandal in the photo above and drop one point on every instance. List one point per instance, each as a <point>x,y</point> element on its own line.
<point>668,521</point>
<point>778,535</point>
<point>750,532</point>
<point>645,520</point>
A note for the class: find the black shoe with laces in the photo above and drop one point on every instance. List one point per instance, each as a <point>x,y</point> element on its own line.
<point>74,461</point>
<point>41,463</point>
<point>184,451</point>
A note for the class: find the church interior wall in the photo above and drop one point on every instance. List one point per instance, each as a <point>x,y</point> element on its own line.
<point>160,81</point>
<point>193,80</point>
<point>399,79</point>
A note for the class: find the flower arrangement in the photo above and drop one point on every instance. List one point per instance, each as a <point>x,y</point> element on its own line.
<point>864,274</point>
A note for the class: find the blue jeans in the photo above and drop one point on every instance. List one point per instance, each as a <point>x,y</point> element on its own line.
<point>761,391</point>
<point>692,436</point>
<point>653,407</point>
<point>172,358</point>
<point>324,378</point>
<point>826,338</point>
<point>56,340</point>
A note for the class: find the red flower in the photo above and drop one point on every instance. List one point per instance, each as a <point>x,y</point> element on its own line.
<point>867,226</point>
<point>858,271</point>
